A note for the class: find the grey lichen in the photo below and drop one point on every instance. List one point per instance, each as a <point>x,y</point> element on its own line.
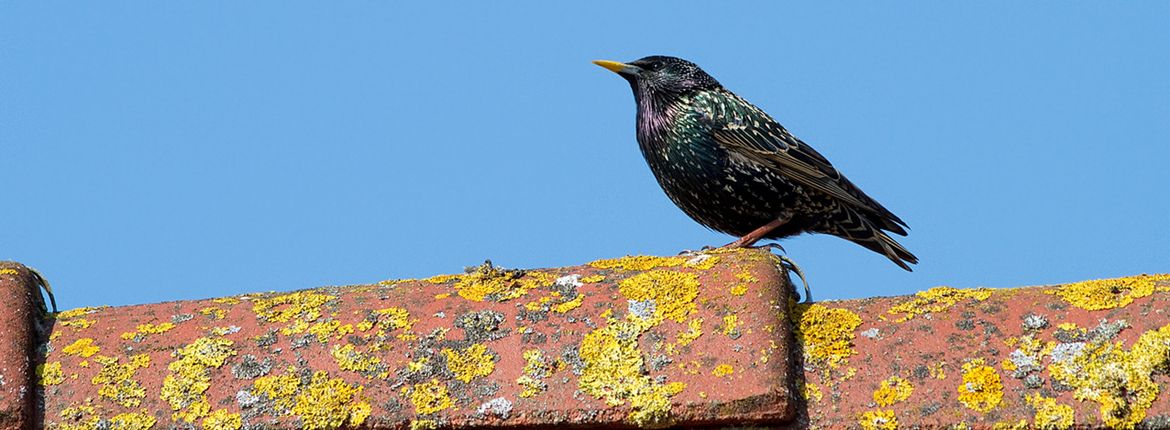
<point>499,406</point>
<point>1035,322</point>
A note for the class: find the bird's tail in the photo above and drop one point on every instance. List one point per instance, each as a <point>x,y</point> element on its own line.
<point>860,230</point>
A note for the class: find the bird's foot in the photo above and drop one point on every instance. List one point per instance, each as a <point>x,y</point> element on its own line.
<point>702,250</point>
<point>790,266</point>
<point>773,245</point>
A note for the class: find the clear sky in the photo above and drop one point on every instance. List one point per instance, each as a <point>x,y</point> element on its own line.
<point>154,151</point>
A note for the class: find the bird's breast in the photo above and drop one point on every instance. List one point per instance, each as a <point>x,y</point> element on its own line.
<point>717,188</point>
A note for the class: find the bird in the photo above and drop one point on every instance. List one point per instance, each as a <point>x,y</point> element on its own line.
<point>732,168</point>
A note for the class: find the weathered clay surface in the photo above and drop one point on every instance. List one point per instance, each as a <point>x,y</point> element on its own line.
<point>1091,354</point>
<point>632,342</point>
<point>636,341</point>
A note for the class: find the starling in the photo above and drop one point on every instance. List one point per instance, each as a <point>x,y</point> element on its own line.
<point>734,169</point>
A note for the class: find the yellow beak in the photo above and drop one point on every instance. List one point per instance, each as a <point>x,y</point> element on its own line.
<point>613,66</point>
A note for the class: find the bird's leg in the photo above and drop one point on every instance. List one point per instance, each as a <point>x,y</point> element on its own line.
<point>757,234</point>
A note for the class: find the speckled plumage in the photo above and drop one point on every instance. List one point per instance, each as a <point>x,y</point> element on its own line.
<point>732,168</point>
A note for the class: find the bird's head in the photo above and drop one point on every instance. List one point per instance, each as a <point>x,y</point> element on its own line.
<point>661,74</point>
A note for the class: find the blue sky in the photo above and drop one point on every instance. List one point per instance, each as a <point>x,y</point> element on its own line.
<point>163,150</point>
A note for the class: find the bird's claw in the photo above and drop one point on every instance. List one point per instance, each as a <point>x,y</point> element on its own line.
<point>702,250</point>
<point>790,266</point>
<point>44,285</point>
<point>774,246</point>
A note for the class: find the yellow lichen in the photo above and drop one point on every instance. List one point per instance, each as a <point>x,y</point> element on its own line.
<point>74,313</point>
<point>1008,425</point>
<point>1049,414</point>
<point>430,397</point>
<point>282,389</point>
<point>531,386</point>
<point>764,356</point>
<point>330,403</point>
<point>723,370</point>
<point>213,312</point>
<point>694,331</point>
<point>673,293</point>
<point>537,305</point>
<point>1120,380</point>
<point>80,417</point>
<point>155,328</point>
<point>331,329</point>
<point>50,373</point>
<point>730,324</point>
<point>424,425</point>
<point>297,327</point>
<point>569,305</point>
<point>116,380</point>
<point>1028,347</point>
<point>7,271</point>
<point>227,300</point>
<point>592,279</point>
<point>132,421</point>
<point>1108,293</point>
<point>745,278</point>
<point>441,279</point>
<point>652,408</point>
<point>470,363</point>
<point>323,403</point>
<point>183,389</point>
<point>1071,330</point>
<point>811,391</point>
<point>638,262</point>
<point>826,334</point>
<point>145,329</point>
<point>442,296</point>
<point>221,419</point>
<point>83,347</point>
<point>394,319</point>
<point>350,359</point>
<point>892,390</point>
<point>981,389</point>
<point>487,281</point>
<point>421,364</point>
<point>937,370</point>
<point>878,420</point>
<point>937,299</point>
<point>80,323</point>
<point>302,305</point>
<point>535,369</point>
<point>613,373</point>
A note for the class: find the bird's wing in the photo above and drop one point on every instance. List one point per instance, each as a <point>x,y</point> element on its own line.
<point>748,131</point>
